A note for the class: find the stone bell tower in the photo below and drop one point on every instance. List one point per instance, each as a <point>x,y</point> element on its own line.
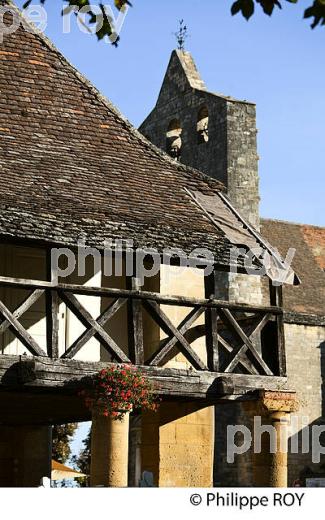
<point>211,132</point>
<point>217,135</point>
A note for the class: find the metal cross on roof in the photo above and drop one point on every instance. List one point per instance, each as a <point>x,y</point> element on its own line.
<point>182,35</point>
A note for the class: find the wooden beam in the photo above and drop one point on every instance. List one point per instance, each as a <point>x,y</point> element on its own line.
<point>246,363</point>
<point>280,334</point>
<point>135,322</point>
<point>52,323</point>
<point>242,351</point>
<point>65,375</point>
<point>52,312</point>
<point>211,321</point>
<point>228,318</point>
<point>19,311</point>
<point>276,298</point>
<point>142,295</point>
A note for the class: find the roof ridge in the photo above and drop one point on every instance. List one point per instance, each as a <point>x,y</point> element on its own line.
<point>108,104</point>
<point>298,224</point>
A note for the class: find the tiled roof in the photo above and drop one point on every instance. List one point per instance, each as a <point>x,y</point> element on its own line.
<point>308,263</point>
<point>73,168</point>
<point>315,238</point>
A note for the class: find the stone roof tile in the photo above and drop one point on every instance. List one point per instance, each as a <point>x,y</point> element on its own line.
<point>308,263</point>
<point>73,167</point>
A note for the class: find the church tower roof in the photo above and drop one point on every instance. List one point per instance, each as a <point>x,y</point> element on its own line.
<point>188,65</point>
<point>182,75</point>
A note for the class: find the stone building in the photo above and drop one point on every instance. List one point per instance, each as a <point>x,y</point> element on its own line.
<point>217,135</point>
<point>78,182</point>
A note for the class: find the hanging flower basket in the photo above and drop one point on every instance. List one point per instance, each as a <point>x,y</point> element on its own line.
<point>118,390</point>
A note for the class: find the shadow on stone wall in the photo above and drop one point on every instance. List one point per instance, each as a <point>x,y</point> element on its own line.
<point>309,462</point>
<point>322,367</point>
<point>239,473</point>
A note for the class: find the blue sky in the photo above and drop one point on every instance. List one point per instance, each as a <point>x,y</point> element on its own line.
<point>276,62</point>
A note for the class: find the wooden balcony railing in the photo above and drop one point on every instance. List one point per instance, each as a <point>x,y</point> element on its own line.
<point>239,338</point>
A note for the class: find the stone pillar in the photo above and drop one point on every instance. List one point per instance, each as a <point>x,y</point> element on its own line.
<point>278,406</point>
<point>109,451</point>
<point>278,476</point>
<point>270,463</point>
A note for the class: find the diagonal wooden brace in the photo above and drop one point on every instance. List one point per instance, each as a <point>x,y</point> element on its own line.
<point>165,323</point>
<point>20,332</point>
<point>229,319</point>
<point>90,332</point>
<point>160,356</point>
<point>90,323</point>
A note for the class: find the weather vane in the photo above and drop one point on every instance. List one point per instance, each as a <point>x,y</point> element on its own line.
<point>182,35</point>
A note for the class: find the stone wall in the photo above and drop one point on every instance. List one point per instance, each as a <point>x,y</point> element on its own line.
<point>305,353</point>
<point>242,160</point>
<point>226,474</point>
<point>305,349</point>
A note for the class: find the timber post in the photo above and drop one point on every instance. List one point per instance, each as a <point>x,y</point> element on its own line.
<point>211,292</point>
<point>135,320</point>
<point>52,311</point>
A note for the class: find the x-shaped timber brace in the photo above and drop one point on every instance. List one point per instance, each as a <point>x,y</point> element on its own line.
<point>220,321</point>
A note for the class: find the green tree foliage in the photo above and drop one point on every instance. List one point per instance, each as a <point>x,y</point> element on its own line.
<point>247,8</point>
<point>61,439</point>
<point>82,461</point>
<point>103,24</point>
